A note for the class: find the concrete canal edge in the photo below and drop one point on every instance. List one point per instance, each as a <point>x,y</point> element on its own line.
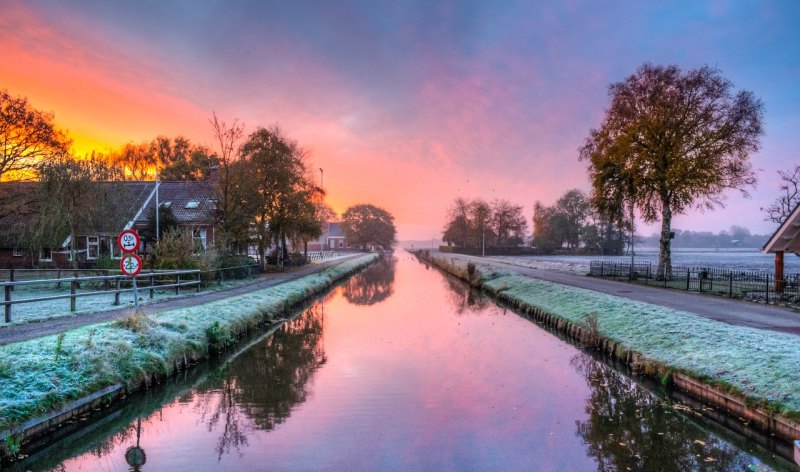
<point>71,415</point>
<point>733,404</point>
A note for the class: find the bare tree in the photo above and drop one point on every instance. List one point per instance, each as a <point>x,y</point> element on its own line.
<point>229,138</point>
<point>27,137</point>
<point>784,205</point>
<point>508,223</point>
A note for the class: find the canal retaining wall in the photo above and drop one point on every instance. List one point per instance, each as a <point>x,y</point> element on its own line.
<point>757,413</point>
<point>75,414</point>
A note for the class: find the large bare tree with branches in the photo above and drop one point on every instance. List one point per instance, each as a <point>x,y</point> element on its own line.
<point>27,137</point>
<point>789,198</point>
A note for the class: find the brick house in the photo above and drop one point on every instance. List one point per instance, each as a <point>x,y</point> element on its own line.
<point>332,238</point>
<point>128,205</point>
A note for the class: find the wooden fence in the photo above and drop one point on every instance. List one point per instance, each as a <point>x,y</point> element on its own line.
<point>116,284</point>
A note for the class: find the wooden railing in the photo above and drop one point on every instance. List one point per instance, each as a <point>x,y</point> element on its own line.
<point>149,281</point>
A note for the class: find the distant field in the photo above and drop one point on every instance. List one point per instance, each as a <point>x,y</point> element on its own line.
<point>739,259</point>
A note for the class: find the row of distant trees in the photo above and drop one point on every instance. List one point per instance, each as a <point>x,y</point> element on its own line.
<point>572,223</point>
<point>266,192</point>
<point>477,223</point>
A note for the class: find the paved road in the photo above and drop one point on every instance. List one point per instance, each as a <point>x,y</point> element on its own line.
<point>736,312</point>
<point>21,332</point>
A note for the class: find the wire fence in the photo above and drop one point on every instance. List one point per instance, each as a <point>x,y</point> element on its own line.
<point>742,284</point>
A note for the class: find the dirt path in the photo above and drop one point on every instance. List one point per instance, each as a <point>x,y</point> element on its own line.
<point>22,332</point>
<point>735,312</point>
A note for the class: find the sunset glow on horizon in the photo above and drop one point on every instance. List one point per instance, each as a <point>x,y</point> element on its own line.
<point>405,106</point>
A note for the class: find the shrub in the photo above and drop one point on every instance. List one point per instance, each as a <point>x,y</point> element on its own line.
<point>217,337</point>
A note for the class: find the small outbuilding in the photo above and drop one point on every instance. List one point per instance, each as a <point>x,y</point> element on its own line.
<point>785,239</point>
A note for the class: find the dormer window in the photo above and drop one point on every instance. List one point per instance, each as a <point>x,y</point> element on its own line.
<point>165,204</point>
<point>192,204</point>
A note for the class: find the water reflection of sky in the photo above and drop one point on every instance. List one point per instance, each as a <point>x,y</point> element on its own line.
<point>430,377</point>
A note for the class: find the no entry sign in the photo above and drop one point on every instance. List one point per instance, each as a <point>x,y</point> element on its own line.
<point>130,264</point>
<point>128,240</point>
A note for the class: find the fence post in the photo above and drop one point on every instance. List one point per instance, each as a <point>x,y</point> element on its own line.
<point>687,278</point>
<point>602,269</point>
<point>11,277</point>
<point>767,288</point>
<point>116,294</point>
<point>177,283</point>
<point>8,303</point>
<point>72,285</point>
<point>152,281</point>
<point>58,276</point>
<point>105,274</point>
<point>730,285</point>
<point>198,281</point>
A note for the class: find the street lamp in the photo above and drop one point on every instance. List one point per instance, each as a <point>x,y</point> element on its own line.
<point>322,232</point>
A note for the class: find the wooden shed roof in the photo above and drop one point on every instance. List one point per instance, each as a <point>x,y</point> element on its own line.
<point>787,237</point>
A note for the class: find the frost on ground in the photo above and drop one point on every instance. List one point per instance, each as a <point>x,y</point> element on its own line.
<point>762,364</point>
<point>564,264</point>
<point>751,259</point>
<point>39,375</point>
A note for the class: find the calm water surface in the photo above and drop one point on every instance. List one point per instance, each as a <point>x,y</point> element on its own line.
<point>402,368</point>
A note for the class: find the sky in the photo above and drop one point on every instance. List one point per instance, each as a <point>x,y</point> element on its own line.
<point>404,105</point>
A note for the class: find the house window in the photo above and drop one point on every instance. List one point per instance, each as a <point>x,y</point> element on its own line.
<point>114,251</point>
<point>92,247</point>
<point>199,238</point>
<point>16,252</point>
<point>46,255</point>
<point>341,244</point>
<point>192,204</point>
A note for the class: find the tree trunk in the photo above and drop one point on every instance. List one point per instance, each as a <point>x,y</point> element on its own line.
<point>261,253</point>
<point>664,244</point>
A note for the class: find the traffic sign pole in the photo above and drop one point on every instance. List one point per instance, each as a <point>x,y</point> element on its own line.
<point>135,295</point>
<point>130,264</point>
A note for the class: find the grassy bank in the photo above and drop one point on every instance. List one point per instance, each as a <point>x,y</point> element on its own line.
<point>43,374</point>
<point>764,366</point>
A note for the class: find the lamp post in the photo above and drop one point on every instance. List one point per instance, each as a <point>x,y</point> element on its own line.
<point>158,206</point>
<point>322,232</point>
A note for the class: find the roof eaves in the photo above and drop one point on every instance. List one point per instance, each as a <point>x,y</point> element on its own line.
<point>792,222</point>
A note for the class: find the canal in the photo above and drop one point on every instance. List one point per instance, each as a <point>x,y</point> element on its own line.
<point>403,368</point>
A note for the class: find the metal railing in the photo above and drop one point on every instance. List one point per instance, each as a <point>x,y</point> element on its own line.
<point>732,283</point>
<point>318,256</point>
<point>150,281</point>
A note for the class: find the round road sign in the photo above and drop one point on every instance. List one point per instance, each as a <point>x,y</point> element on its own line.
<point>128,240</point>
<point>131,264</point>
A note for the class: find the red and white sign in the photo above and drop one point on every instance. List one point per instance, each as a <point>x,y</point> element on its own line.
<point>128,240</point>
<point>131,265</point>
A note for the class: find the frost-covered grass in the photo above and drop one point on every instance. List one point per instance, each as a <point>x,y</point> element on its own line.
<point>750,259</point>
<point>40,375</point>
<point>763,365</point>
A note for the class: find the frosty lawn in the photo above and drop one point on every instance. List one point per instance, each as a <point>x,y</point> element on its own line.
<point>763,365</point>
<point>40,375</point>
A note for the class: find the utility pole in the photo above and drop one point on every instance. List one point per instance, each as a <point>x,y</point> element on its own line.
<point>158,206</point>
<point>322,232</point>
